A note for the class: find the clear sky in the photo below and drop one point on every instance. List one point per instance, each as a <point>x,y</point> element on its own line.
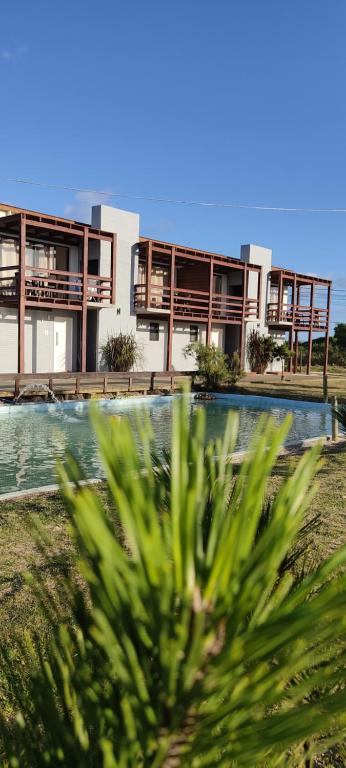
<point>225,100</point>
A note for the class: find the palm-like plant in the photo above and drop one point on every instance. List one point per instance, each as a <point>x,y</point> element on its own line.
<point>186,647</point>
<point>340,413</point>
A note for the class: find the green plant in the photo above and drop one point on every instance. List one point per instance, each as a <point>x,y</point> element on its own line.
<point>284,353</point>
<point>212,365</point>
<point>121,352</point>
<point>186,648</point>
<point>260,351</point>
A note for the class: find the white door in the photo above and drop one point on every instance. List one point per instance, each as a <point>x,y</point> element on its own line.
<point>217,337</point>
<point>60,344</point>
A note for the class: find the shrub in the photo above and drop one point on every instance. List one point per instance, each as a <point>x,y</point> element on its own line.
<point>213,366</point>
<point>121,352</point>
<point>187,649</point>
<point>260,351</point>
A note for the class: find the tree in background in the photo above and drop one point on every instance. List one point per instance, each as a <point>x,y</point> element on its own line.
<point>121,352</point>
<point>340,336</point>
<point>187,646</point>
<point>284,353</point>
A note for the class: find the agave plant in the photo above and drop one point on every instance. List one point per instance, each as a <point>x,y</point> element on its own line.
<point>187,647</point>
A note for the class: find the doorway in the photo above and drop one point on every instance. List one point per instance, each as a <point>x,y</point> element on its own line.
<point>62,360</point>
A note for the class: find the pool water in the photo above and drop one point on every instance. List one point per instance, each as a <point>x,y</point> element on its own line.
<point>32,437</point>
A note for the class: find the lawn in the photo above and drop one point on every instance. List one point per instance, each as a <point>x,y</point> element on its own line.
<point>296,387</point>
<point>19,552</point>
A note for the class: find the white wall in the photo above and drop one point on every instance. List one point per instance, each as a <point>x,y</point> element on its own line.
<point>121,317</point>
<point>153,353</point>
<point>38,340</point>
<point>180,339</point>
<point>256,254</point>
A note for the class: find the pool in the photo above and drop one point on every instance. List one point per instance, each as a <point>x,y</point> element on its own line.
<point>33,436</point>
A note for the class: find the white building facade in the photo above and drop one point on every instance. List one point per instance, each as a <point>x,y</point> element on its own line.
<point>66,286</point>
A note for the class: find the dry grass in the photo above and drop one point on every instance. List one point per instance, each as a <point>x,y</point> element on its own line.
<point>296,387</point>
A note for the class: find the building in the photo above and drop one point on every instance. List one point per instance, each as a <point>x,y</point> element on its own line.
<point>64,286</point>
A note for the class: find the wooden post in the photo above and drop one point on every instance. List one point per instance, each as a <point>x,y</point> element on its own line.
<point>296,352</point>
<point>105,385</point>
<point>294,291</point>
<point>326,338</point>
<point>171,312</point>
<point>148,275</point>
<point>242,334</point>
<point>325,388</point>
<point>113,267</point>
<point>308,364</point>
<point>210,305</point>
<point>84,301</point>
<point>152,382</point>
<point>280,313</point>
<point>335,423</point>
<point>21,289</point>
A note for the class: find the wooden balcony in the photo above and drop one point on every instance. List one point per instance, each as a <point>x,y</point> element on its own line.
<point>194,305</point>
<point>54,288</point>
<point>300,317</point>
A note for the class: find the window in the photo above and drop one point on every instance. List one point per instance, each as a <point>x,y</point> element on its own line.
<point>154,332</point>
<point>193,333</point>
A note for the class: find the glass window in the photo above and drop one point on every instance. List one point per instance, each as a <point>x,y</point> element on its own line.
<point>193,333</point>
<point>154,332</point>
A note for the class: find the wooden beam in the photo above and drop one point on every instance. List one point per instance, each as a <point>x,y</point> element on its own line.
<point>210,308</point>
<point>83,340</point>
<point>113,267</point>
<point>171,314</point>
<point>149,262</point>
<point>21,289</point>
<point>326,338</point>
<point>242,327</point>
<point>308,364</point>
<point>294,292</point>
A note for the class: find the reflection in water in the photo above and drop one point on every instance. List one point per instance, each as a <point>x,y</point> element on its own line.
<point>32,438</point>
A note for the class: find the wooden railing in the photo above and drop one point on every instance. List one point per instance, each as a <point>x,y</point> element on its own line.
<point>53,286</point>
<point>11,385</point>
<point>300,316</point>
<point>195,304</point>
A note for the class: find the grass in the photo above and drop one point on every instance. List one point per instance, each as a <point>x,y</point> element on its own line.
<point>296,387</point>
<point>19,552</point>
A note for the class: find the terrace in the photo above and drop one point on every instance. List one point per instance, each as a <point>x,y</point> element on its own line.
<point>190,284</point>
<point>53,263</point>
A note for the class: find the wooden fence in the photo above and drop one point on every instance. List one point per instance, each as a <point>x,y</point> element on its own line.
<point>65,384</point>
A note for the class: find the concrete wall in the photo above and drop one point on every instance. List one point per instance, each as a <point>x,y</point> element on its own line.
<point>153,353</point>
<point>256,254</point>
<point>120,317</point>
<point>180,339</point>
<point>38,340</point>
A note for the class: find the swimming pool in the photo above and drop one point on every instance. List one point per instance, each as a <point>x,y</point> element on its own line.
<point>33,436</point>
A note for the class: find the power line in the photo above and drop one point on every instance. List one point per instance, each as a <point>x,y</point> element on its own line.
<point>167,200</point>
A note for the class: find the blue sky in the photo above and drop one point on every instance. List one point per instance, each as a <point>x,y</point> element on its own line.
<point>230,101</point>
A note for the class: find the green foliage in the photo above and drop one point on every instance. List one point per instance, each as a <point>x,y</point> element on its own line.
<point>187,648</point>
<point>261,350</point>
<point>340,336</point>
<point>337,355</point>
<point>121,352</point>
<point>213,366</point>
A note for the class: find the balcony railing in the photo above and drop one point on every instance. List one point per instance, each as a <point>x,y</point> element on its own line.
<point>195,304</point>
<point>52,286</point>
<point>300,316</point>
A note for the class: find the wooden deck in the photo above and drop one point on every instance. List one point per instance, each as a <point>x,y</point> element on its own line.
<point>69,384</point>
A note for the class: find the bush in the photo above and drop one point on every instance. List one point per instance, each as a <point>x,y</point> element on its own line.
<point>261,351</point>
<point>187,648</point>
<point>121,352</point>
<point>213,365</point>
